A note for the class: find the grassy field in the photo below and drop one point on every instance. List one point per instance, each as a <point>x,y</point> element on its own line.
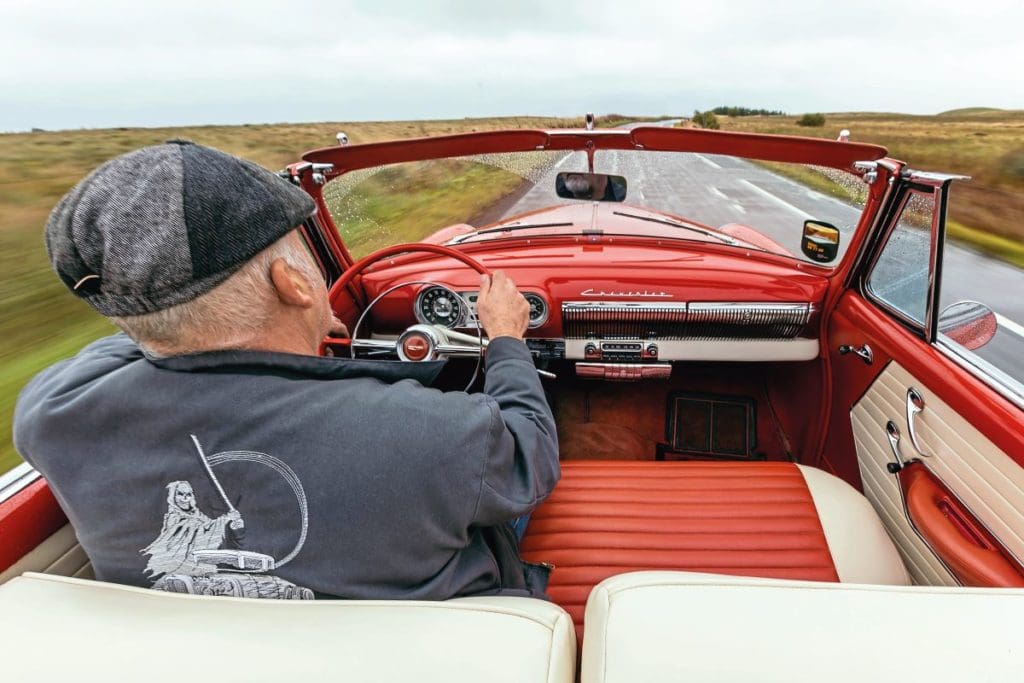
<point>40,322</point>
<point>986,144</point>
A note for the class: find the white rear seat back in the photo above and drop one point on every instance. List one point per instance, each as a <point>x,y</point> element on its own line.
<point>55,628</point>
<point>676,626</point>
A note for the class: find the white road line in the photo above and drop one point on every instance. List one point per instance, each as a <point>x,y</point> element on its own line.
<point>738,208</point>
<point>777,200</point>
<point>911,275</point>
<point>1010,325</point>
<point>718,193</point>
<point>641,193</point>
<point>707,161</point>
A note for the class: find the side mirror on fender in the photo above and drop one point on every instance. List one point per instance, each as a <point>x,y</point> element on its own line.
<point>820,241</point>
<point>969,323</point>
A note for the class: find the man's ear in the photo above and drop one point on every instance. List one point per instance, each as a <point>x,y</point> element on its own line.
<point>292,287</point>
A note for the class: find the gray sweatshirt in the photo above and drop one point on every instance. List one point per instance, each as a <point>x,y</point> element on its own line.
<point>278,475</point>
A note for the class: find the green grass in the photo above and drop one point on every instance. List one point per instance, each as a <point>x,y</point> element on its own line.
<point>40,321</point>
<point>408,202</point>
<point>1005,249</point>
<point>21,368</point>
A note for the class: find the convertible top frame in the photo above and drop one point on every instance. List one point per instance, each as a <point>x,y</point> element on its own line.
<point>782,148</point>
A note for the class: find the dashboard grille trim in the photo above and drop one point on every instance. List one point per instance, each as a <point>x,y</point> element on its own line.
<point>613,320</point>
<point>678,320</point>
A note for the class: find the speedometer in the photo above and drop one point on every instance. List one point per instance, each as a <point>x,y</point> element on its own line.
<point>439,306</point>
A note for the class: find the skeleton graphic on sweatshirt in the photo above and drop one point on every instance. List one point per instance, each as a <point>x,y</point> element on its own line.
<point>187,556</point>
<point>186,529</point>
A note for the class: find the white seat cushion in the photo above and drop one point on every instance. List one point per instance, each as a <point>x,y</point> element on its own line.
<point>55,628</point>
<point>676,626</point>
<point>861,548</point>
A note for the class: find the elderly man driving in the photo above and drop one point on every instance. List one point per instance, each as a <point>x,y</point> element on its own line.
<point>210,448</point>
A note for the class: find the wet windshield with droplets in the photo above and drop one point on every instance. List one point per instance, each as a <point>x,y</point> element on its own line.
<point>742,200</point>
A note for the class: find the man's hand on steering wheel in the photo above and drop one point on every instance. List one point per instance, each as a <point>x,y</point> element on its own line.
<point>502,310</point>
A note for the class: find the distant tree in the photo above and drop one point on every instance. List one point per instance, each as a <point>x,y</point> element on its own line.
<point>706,119</point>
<point>746,111</point>
<point>811,120</point>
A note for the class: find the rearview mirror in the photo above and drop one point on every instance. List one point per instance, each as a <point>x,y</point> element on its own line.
<point>969,323</point>
<point>820,241</point>
<point>598,187</point>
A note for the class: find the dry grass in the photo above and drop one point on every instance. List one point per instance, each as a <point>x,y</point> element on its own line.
<point>40,321</point>
<point>986,144</point>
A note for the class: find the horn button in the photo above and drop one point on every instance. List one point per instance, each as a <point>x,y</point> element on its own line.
<point>417,345</point>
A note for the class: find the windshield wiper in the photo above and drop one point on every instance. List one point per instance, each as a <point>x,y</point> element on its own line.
<point>665,221</point>
<point>507,228</point>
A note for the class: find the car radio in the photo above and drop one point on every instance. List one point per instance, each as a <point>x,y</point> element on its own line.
<point>620,351</point>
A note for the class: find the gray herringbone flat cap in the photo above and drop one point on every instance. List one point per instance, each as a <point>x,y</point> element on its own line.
<point>161,225</point>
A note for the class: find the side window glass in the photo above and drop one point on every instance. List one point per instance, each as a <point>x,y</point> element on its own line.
<point>899,277</point>
<point>980,303</point>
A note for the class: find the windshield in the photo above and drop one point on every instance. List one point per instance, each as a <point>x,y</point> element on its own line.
<point>730,200</point>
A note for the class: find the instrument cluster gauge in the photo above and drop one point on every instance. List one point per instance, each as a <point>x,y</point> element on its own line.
<point>538,309</point>
<point>439,306</point>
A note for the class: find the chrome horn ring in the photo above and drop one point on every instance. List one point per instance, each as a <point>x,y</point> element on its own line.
<point>422,342</point>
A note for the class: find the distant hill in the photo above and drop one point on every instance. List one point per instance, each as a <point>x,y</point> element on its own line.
<point>967,111</point>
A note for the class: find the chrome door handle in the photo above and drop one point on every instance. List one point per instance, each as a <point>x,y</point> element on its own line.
<point>864,352</point>
<point>915,405</point>
<point>892,432</point>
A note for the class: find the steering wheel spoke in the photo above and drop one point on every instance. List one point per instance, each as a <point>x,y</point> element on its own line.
<point>375,344</point>
<point>458,350</point>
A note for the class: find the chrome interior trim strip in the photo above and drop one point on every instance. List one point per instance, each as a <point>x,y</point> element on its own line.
<point>15,480</point>
<point>624,305</point>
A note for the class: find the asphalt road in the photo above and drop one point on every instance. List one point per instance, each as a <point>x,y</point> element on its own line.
<point>716,190</point>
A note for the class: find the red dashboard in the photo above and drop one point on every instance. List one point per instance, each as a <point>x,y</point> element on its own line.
<point>697,303</point>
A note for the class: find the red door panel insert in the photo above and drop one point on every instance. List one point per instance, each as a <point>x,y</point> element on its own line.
<point>973,554</point>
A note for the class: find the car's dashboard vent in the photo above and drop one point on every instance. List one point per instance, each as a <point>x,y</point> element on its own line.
<point>694,320</point>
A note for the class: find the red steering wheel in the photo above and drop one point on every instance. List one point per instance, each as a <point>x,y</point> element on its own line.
<point>359,266</point>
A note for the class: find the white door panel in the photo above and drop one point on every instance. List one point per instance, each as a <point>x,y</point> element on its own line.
<point>986,480</point>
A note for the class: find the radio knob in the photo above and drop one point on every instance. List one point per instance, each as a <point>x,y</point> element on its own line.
<point>591,351</point>
<point>652,351</point>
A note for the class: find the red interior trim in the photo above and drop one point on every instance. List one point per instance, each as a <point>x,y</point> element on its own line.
<point>27,519</point>
<point>973,554</point>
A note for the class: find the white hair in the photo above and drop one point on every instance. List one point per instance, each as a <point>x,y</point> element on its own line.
<point>228,316</point>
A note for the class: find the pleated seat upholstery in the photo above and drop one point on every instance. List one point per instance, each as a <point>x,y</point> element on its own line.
<point>751,519</point>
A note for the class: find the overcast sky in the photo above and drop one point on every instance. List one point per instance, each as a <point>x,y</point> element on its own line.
<point>101,63</point>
